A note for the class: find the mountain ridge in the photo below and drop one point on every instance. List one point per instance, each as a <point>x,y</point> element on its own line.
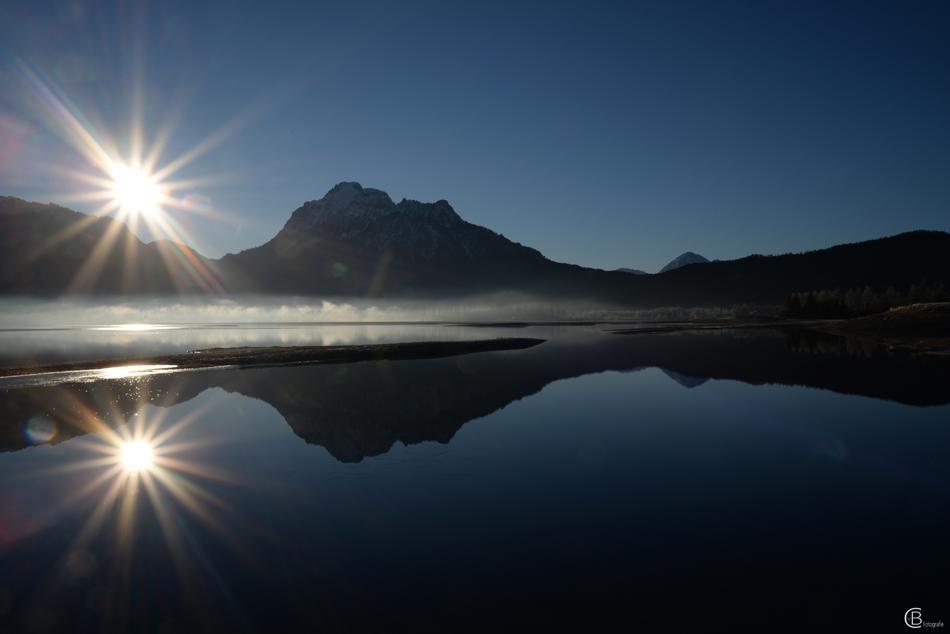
<point>357,241</point>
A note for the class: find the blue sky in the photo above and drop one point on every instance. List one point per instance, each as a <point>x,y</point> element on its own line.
<point>606,134</point>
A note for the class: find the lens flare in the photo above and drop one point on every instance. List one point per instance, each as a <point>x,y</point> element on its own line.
<point>133,187</point>
<point>136,455</point>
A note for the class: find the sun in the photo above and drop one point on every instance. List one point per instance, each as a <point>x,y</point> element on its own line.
<point>135,191</point>
<point>136,455</point>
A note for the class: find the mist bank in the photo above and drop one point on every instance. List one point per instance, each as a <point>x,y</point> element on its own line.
<point>30,313</point>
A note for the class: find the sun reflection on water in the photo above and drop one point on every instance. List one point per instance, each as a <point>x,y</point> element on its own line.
<point>136,455</point>
<point>147,472</point>
<point>130,371</point>
<point>135,327</point>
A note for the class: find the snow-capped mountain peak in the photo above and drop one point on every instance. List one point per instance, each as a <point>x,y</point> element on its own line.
<point>347,203</point>
<point>365,220</point>
<point>682,260</point>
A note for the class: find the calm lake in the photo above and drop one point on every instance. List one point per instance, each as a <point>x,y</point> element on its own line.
<point>724,481</point>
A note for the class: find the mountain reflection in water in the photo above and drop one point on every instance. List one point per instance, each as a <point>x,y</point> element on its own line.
<point>357,410</point>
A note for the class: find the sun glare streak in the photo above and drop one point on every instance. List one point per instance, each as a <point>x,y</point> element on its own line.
<point>63,117</point>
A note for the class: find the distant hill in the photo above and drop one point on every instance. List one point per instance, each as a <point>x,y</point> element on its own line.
<point>631,271</point>
<point>51,250</point>
<point>682,260</point>
<point>896,261</point>
<point>356,241</point>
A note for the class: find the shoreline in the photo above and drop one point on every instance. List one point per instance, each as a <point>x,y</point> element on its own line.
<point>918,328</point>
<point>248,357</point>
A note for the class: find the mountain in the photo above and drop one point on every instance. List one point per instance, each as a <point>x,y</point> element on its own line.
<point>685,380</point>
<point>356,241</point>
<point>682,260</point>
<point>631,271</point>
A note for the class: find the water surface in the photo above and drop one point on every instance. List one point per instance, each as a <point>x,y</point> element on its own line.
<point>730,481</point>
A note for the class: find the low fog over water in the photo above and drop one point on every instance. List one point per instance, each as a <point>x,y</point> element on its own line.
<point>40,331</point>
<point>43,331</point>
<point>72,313</point>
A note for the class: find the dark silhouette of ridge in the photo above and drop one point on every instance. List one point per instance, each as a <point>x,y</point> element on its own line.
<point>631,271</point>
<point>50,250</point>
<point>356,241</point>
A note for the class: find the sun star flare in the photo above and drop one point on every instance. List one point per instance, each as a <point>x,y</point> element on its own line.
<point>136,455</point>
<point>134,190</point>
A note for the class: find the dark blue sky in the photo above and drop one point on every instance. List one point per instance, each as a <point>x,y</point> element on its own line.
<point>603,134</point>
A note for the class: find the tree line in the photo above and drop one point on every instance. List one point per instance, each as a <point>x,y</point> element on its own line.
<point>855,302</point>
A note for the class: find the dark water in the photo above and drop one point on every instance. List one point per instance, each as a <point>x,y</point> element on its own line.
<point>715,482</point>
